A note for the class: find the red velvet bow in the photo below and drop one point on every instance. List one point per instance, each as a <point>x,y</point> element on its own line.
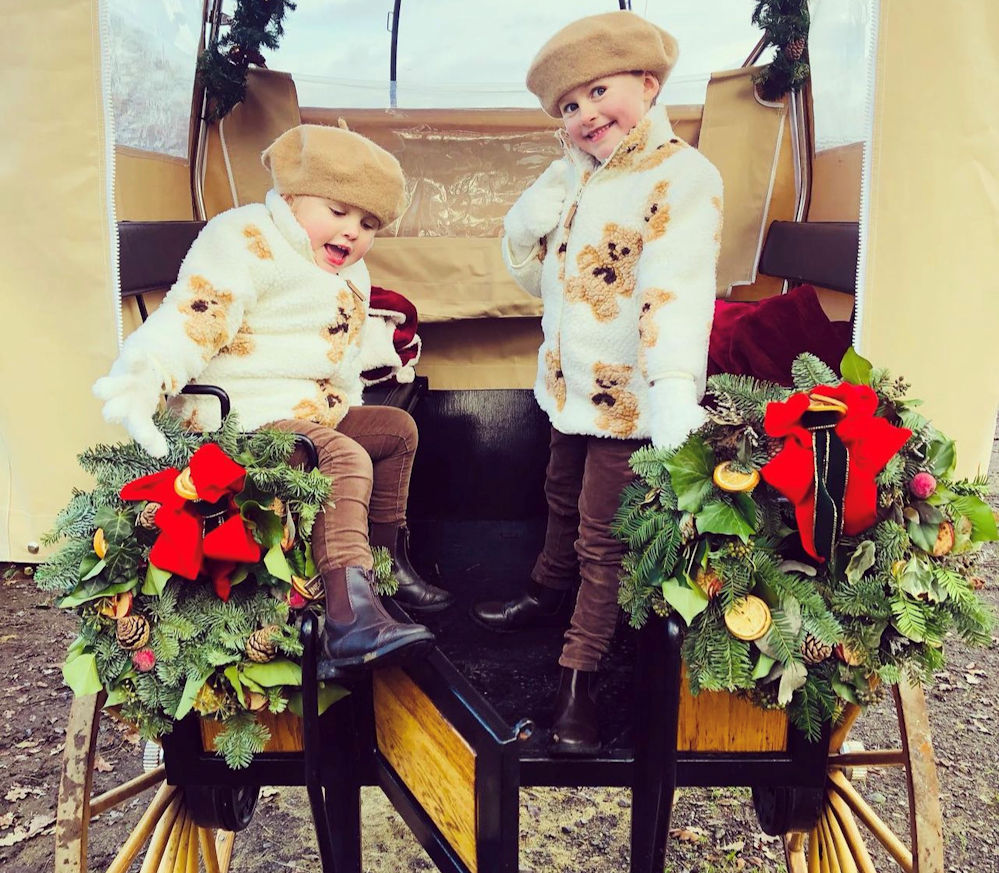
<point>182,546</point>
<point>869,440</point>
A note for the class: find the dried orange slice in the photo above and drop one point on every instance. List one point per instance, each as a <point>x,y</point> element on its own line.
<point>731,480</point>
<point>748,618</point>
<point>825,403</point>
<point>184,485</point>
<point>100,543</point>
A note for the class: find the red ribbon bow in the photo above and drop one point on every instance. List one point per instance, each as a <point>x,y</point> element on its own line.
<point>182,546</point>
<point>869,440</point>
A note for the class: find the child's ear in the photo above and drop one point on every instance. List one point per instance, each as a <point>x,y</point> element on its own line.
<point>650,87</point>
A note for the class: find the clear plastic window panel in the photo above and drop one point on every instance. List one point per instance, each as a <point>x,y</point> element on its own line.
<point>154,47</point>
<point>459,54</point>
<point>839,48</point>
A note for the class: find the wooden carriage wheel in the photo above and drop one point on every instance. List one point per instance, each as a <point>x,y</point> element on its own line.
<point>847,824</point>
<point>176,843</point>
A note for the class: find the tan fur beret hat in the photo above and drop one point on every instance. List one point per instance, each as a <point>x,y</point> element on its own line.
<point>338,164</point>
<point>595,46</point>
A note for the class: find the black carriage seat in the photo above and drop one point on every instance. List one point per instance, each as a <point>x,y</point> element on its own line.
<point>149,257</point>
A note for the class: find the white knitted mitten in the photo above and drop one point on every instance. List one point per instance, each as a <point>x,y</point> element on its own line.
<point>131,399</point>
<point>538,209</point>
<point>673,411</point>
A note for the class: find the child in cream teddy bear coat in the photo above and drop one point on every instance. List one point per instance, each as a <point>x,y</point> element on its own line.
<point>271,304</point>
<point>620,239</point>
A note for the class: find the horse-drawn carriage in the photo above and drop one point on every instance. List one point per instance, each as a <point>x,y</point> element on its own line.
<point>450,740</point>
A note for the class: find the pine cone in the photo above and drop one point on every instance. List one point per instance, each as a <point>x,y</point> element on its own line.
<point>259,645</point>
<point>132,632</point>
<point>147,518</point>
<point>814,650</point>
<point>795,48</point>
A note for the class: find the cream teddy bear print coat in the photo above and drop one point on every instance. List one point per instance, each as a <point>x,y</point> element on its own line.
<point>627,278</point>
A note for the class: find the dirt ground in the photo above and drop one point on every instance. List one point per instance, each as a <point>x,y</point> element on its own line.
<point>586,830</point>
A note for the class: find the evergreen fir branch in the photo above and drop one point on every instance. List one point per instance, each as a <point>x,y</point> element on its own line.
<point>75,520</point>
<point>633,596</point>
<point>649,464</point>
<point>746,394</point>
<point>977,487</point>
<point>809,372</point>
<point>61,572</point>
<point>807,711</point>
<point>385,582</point>
<point>910,619</point>
<point>241,737</point>
<point>893,474</point>
<point>661,555</point>
<point>891,542</point>
<point>783,639</point>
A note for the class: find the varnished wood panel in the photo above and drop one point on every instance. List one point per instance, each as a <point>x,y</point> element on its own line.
<point>431,758</point>
<point>286,732</point>
<point>716,721</point>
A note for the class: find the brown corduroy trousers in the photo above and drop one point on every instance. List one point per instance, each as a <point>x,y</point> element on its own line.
<point>369,456</point>
<point>583,485</point>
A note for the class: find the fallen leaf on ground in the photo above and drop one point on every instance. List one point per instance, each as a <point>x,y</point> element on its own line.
<point>101,764</point>
<point>688,835</point>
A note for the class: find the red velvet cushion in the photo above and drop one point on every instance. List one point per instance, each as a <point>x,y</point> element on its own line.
<point>762,339</point>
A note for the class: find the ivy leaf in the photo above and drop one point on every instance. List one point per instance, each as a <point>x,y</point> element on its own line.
<point>118,525</point>
<point>689,602</point>
<point>725,518</point>
<point>855,369</point>
<point>690,471</point>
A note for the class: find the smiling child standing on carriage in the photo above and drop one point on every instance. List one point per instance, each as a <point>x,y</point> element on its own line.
<point>272,304</point>
<point>620,239</point>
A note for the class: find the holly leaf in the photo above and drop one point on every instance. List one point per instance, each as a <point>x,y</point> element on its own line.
<point>726,518</point>
<point>688,601</point>
<point>855,369</point>
<point>690,471</point>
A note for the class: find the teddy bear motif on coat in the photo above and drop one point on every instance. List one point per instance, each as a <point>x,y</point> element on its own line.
<point>328,410</point>
<point>341,332</point>
<point>207,315</point>
<point>607,272</point>
<point>554,377</point>
<point>617,407</point>
<point>657,211</point>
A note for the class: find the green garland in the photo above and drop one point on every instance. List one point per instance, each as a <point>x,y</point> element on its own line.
<point>161,645</point>
<point>222,65</point>
<point>876,612</point>
<point>785,25</point>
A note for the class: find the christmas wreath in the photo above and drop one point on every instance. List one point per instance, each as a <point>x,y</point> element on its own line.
<point>190,575</point>
<point>813,541</point>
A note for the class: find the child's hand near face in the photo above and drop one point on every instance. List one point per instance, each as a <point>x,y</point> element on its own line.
<point>537,211</point>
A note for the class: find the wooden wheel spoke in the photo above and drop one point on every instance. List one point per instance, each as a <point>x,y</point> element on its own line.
<point>161,836</point>
<point>126,790</point>
<point>224,841</point>
<point>872,821</point>
<point>206,839</point>
<point>848,824</point>
<point>844,851</point>
<point>869,758</point>
<point>165,799</point>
